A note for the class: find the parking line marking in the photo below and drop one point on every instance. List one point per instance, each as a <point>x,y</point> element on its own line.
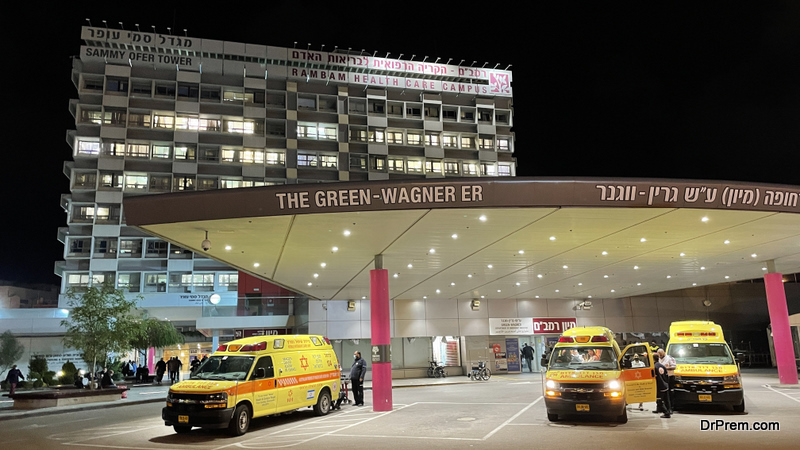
<point>491,433</point>
<point>779,392</point>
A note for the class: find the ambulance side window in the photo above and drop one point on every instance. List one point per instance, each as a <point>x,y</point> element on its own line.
<point>637,355</point>
<point>265,362</point>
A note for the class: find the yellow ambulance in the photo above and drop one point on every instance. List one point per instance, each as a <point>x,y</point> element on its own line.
<point>706,370</point>
<point>588,374</point>
<point>255,377</point>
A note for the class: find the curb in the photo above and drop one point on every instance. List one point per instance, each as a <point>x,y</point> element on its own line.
<point>86,407</point>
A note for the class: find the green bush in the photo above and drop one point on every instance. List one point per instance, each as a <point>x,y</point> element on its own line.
<point>68,373</point>
<point>39,373</point>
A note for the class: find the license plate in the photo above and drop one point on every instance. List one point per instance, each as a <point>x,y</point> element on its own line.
<point>183,419</point>
<point>704,398</point>
<point>582,407</point>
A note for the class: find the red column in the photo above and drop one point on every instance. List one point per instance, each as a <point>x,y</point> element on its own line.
<point>381,338</point>
<point>781,332</point>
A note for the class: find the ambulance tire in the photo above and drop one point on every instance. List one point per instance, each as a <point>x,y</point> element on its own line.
<point>552,417</point>
<point>323,405</point>
<point>624,417</point>
<point>181,429</point>
<point>240,421</point>
<point>739,408</point>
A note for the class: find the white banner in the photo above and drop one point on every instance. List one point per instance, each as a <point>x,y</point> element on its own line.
<point>512,326</point>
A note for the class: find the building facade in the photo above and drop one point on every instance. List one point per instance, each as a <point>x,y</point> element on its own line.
<point>159,113</point>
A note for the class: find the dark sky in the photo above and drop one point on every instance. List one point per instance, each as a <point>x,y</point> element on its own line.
<point>703,91</point>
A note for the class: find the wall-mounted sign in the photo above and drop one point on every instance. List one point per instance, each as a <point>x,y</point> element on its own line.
<point>525,326</point>
<point>244,333</point>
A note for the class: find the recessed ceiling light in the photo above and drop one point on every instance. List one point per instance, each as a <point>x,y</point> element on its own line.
<point>642,240</point>
<point>469,275</point>
<point>589,296</point>
<point>702,267</point>
<point>635,267</point>
<point>256,264</point>
<point>694,284</point>
<point>309,284</point>
<point>726,241</point>
<point>323,265</point>
<point>499,290</point>
<point>605,276</point>
<point>227,247</point>
<point>753,255</point>
<point>683,254</point>
<point>613,290</point>
<point>490,266</point>
<point>518,283</point>
<point>764,269</point>
<point>638,284</point>
<point>396,275</point>
<point>604,253</point>
<point>316,275</point>
<point>424,296</point>
<point>564,266</point>
<point>335,249</point>
<point>363,298</point>
<point>557,290</point>
<point>521,252</point>
<point>452,284</point>
<point>726,277</point>
<point>433,250</point>
<point>539,276</point>
<point>536,296</point>
<point>483,296</point>
<point>704,219</point>
<point>438,291</point>
<point>552,238</point>
<point>669,276</point>
<point>482,218</point>
<point>580,284</point>
<point>347,232</point>
<point>410,266</point>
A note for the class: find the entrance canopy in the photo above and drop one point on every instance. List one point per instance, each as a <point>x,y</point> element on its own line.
<point>488,238</point>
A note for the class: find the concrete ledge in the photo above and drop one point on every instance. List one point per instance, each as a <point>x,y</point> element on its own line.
<point>65,397</point>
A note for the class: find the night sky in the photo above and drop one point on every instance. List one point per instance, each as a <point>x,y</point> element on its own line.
<point>700,91</point>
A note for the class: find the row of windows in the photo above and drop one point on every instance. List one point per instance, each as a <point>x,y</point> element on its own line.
<point>173,282</point>
<point>179,152</point>
<point>114,247</point>
<point>170,121</point>
<point>305,102</point>
<point>429,138</point>
<point>143,182</point>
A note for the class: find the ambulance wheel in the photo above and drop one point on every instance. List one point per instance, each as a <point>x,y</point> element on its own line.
<point>552,417</point>
<point>624,417</point>
<point>181,429</point>
<point>240,421</point>
<point>739,408</point>
<point>323,405</point>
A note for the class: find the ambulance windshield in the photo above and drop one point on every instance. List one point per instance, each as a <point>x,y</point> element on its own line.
<point>701,353</point>
<point>584,358</point>
<point>224,367</point>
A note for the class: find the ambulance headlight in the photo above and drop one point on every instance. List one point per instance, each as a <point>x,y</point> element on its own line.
<point>613,384</point>
<point>551,384</point>
<point>217,398</point>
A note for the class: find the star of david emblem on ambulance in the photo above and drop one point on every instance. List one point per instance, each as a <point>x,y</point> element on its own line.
<point>638,374</point>
<point>304,362</point>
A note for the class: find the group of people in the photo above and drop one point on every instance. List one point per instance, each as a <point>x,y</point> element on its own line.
<point>173,365</point>
<point>129,368</point>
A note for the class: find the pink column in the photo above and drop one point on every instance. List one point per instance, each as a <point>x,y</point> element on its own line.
<point>381,340</point>
<point>151,356</point>
<point>781,332</point>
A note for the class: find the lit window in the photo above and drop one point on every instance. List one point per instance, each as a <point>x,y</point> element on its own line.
<point>230,155</point>
<point>238,126</point>
<point>137,150</point>
<point>487,143</point>
<point>503,144</point>
<point>306,160</point>
<point>275,158</point>
<point>414,138</point>
<point>504,170</point>
<point>252,156</point>
<point>91,116</point>
<point>160,121</point>
<point>358,135</point>
<point>327,132</point>
<point>183,183</point>
<point>110,181</point>
<point>306,131</point>
<point>433,166</point>
<point>139,120</point>
<point>230,184</point>
<point>467,142</point>
<point>161,151</point>
<point>414,166</point>
<point>135,182</point>
<point>394,137</point>
<point>451,168</point>
<point>489,170</point>
<point>450,141</point>
<point>88,148</point>
<point>328,161</point>
<point>470,168</point>
<point>358,162</point>
<point>377,136</point>
<point>378,163</point>
<point>397,165</point>
<point>432,139</point>
<point>185,153</point>
<point>229,281</point>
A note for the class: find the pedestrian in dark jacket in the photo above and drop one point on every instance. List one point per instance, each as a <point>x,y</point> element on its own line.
<point>161,367</point>
<point>662,384</point>
<point>527,354</point>
<point>106,382</point>
<point>357,373</point>
<point>13,377</point>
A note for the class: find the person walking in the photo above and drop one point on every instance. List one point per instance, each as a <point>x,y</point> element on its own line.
<point>13,377</point>
<point>172,367</point>
<point>662,384</point>
<point>357,373</point>
<point>527,353</point>
<point>161,367</point>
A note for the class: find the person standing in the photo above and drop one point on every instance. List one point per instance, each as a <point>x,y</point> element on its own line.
<point>13,377</point>
<point>172,367</point>
<point>527,353</point>
<point>662,384</point>
<point>357,372</point>
<point>670,364</point>
<point>161,367</point>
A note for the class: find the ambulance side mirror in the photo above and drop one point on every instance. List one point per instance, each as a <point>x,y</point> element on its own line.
<point>740,358</point>
<point>261,373</point>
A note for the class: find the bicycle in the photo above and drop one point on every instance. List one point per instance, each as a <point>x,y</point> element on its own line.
<point>481,372</point>
<point>435,370</point>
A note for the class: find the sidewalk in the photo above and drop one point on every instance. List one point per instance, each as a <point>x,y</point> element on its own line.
<point>150,393</point>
